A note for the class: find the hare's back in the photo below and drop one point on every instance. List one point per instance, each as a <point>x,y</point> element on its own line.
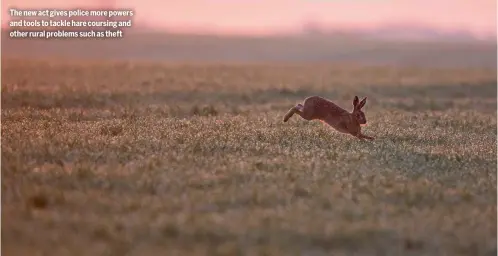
<point>322,107</point>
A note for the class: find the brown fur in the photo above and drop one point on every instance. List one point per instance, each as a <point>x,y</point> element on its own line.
<point>318,108</point>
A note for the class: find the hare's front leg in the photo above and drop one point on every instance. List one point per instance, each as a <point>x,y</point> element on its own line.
<point>356,131</point>
<point>366,137</point>
<point>361,136</point>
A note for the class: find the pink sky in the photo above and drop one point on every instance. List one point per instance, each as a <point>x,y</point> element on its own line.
<point>262,16</point>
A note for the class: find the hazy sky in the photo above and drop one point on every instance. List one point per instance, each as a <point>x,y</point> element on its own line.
<point>261,16</point>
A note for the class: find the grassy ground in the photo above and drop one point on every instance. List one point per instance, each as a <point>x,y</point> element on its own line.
<point>134,158</point>
<point>209,48</point>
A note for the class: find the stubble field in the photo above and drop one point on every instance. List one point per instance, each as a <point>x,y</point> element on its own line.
<point>132,158</point>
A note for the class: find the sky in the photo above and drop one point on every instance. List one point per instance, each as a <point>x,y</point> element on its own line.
<point>268,16</point>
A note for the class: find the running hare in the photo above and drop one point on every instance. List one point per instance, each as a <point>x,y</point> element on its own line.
<point>316,107</point>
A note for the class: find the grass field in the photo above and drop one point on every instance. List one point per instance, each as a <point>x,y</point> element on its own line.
<point>136,158</point>
<point>278,48</point>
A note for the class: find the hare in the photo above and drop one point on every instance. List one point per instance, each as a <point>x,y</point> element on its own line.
<point>316,107</point>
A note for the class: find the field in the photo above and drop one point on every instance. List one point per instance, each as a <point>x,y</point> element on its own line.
<point>278,48</point>
<point>156,158</point>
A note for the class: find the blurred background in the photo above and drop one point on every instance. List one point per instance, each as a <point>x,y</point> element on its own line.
<point>389,32</point>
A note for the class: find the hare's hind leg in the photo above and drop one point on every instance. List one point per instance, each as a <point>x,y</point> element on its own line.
<point>296,109</point>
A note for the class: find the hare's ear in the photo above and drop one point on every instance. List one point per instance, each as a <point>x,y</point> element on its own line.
<point>355,101</point>
<point>362,103</point>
